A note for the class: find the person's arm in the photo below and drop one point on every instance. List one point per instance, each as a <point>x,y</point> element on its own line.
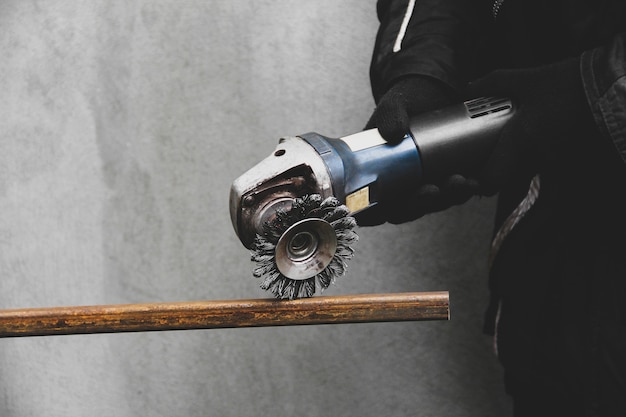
<point>420,61</point>
<point>570,114</point>
<point>603,73</point>
<point>425,38</point>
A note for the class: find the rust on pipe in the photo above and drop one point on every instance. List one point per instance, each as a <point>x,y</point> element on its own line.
<point>410,306</point>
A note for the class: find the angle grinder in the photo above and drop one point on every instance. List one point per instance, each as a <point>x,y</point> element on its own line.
<point>294,210</point>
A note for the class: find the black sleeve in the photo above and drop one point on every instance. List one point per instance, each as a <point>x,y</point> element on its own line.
<point>604,77</point>
<point>423,37</point>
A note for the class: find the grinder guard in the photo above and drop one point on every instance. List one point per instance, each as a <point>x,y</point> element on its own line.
<point>294,169</point>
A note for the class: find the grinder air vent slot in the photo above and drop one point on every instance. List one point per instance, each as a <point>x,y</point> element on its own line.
<point>487,105</point>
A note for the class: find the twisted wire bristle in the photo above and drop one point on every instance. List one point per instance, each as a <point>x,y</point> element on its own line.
<point>263,252</point>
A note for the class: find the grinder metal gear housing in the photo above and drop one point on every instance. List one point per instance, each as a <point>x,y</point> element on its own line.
<point>357,172</point>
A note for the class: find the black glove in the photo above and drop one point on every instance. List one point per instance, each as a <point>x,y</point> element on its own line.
<point>406,98</point>
<point>429,198</point>
<point>409,97</point>
<point>551,121</point>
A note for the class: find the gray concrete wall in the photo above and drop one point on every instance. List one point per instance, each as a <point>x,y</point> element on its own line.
<point>123,125</point>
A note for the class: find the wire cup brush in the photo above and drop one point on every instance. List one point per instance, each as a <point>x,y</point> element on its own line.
<point>304,246</point>
<point>294,210</point>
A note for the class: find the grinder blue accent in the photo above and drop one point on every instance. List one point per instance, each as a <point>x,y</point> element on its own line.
<point>385,168</point>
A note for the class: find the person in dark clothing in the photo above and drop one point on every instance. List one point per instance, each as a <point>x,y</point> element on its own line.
<point>558,261</point>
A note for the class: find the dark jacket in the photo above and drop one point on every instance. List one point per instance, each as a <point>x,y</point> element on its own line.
<point>559,281</point>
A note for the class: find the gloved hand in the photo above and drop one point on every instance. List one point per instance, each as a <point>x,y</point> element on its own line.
<point>408,97</point>
<point>429,198</point>
<point>548,129</point>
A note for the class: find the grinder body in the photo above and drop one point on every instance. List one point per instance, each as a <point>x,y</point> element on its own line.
<point>363,170</point>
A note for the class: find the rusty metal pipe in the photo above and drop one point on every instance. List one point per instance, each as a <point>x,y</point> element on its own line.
<point>411,306</point>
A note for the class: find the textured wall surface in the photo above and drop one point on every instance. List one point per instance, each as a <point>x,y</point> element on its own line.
<point>123,125</point>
